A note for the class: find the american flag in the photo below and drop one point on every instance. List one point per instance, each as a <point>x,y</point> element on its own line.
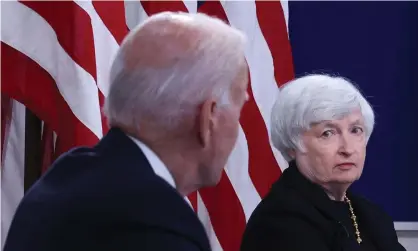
<point>56,57</point>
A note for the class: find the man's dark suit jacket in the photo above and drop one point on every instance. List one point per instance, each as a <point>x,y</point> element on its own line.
<point>105,198</point>
<point>297,215</point>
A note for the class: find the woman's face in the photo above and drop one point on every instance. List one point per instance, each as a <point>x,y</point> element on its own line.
<point>334,150</point>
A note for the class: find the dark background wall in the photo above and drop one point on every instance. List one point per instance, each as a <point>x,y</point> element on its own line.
<point>375,44</point>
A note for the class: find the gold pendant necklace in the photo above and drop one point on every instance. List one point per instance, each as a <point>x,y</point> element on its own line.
<point>354,218</point>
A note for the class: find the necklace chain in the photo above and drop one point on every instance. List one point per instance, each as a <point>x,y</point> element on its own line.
<point>354,218</point>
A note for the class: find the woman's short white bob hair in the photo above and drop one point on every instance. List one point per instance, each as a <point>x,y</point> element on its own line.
<point>312,99</point>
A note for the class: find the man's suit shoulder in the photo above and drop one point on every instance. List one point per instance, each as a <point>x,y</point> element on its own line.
<point>111,189</point>
<point>91,180</point>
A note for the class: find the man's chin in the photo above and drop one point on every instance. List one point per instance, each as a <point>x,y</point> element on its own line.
<point>213,180</point>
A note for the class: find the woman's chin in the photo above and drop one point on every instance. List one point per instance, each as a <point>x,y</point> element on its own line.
<point>347,177</point>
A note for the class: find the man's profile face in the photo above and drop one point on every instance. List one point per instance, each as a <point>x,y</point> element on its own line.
<point>225,134</point>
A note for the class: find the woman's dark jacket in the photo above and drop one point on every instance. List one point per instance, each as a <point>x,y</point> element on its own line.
<point>297,215</point>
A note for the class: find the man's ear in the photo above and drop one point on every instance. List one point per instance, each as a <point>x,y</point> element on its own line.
<point>291,153</point>
<point>207,121</point>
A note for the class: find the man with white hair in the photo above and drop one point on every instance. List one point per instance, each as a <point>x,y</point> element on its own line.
<point>178,84</point>
<point>321,124</point>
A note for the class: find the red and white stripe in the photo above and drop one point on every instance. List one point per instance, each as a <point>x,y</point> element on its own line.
<point>55,61</point>
<point>12,171</point>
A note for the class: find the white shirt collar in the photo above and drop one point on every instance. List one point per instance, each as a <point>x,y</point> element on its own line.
<point>157,165</point>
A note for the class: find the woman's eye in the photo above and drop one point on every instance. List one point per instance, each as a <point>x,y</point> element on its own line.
<point>357,130</point>
<point>327,134</point>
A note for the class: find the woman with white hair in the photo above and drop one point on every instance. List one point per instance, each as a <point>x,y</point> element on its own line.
<point>321,124</point>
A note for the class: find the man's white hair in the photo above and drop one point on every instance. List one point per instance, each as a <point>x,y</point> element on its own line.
<point>312,99</point>
<point>207,68</point>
